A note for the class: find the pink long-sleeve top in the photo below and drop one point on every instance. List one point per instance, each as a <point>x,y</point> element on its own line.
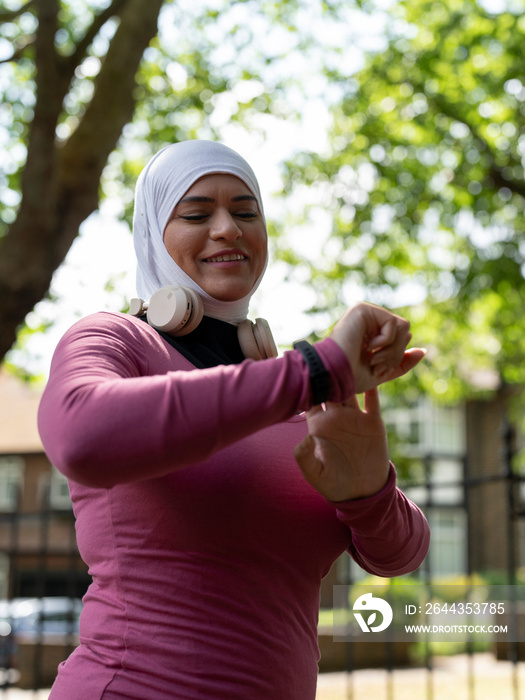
<point>206,545</point>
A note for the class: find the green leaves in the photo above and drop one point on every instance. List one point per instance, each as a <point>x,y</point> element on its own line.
<point>422,181</point>
<point>427,188</point>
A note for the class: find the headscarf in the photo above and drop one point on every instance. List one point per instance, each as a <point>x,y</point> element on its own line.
<point>160,186</point>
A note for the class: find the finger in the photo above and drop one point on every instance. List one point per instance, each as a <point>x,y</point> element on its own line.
<point>395,331</point>
<point>351,402</point>
<point>386,335</point>
<point>371,402</point>
<point>391,356</point>
<point>410,359</point>
<point>315,410</point>
<point>398,345</point>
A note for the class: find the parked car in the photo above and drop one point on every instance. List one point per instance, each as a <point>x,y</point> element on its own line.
<point>36,633</point>
<point>9,673</point>
<point>33,620</point>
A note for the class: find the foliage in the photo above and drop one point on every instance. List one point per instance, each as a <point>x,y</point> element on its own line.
<point>90,90</point>
<point>425,180</point>
<point>67,79</point>
<point>423,177</point>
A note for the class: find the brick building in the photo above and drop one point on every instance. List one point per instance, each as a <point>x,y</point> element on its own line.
<point>38,554</point>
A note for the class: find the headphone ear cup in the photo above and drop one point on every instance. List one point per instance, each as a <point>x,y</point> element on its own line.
<point>264,338</point>
<point>196,308</point>
<point>175,310</point>
<point>256,339</point>
<point>247,340</point>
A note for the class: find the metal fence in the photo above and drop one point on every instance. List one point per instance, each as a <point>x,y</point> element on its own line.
<point>505,660</point>
<point>38,547</point>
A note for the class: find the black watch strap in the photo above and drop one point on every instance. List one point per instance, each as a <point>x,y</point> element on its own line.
<point>319,375</point>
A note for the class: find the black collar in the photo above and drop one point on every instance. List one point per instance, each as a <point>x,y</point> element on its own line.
<point>212,343</point>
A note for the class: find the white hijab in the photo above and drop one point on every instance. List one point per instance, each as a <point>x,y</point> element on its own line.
<point>161,185</point>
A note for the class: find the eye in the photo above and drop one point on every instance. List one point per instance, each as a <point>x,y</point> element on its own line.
<point>193,217</point>
<point>247,215</point>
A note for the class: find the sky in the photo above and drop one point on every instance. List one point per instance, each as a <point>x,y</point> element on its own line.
<point>104,251</point>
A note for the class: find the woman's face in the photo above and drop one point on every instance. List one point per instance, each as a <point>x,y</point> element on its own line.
<point>217,235</point>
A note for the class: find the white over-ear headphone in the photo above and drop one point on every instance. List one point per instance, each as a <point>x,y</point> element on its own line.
<point>179,310</point>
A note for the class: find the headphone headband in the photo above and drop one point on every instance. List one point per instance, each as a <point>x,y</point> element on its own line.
<point>179,310</point>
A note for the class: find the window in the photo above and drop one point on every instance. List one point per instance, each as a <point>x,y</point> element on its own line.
<point>4,575</point>
<point>446,484</point>
<point>425,428</point>
<point>448,430</point>
<point>448,549</point>
<point>59,498</point>
<point>11,480</point>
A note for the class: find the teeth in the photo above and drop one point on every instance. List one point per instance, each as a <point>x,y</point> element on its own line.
<point>226,258</point>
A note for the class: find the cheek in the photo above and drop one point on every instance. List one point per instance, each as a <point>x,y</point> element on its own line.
<point>169,240</point>
<point>178,246</point>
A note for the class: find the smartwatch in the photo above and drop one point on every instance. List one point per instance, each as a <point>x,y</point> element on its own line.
<point>319,375</point>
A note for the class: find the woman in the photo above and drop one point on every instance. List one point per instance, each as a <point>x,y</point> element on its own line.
<point>205,542</point>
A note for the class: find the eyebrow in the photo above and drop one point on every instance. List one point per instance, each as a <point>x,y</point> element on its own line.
<point>197,198</point>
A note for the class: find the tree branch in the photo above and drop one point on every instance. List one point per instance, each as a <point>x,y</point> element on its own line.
<point>453,111</point>
<point>71,62</point>
<point>516,186</point>
<point>10,15</point>
<point>61,184</point>
<point>40,168</point>
<point>112,103</point>
<point>19,51</point>
<point>495,173</point>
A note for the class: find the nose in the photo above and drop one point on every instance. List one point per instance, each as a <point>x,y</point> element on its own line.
<point>223,225</point>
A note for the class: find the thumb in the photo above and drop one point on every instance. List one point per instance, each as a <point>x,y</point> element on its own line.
<point>305,457</point>
<point>411,358</point>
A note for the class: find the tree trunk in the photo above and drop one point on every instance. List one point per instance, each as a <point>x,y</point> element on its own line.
<point>60,187</point>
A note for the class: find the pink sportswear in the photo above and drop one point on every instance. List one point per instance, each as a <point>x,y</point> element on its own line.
<point>205,543</point>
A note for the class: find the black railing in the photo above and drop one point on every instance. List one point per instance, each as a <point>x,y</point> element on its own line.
<point>43,564</point>
<point>511,653</point>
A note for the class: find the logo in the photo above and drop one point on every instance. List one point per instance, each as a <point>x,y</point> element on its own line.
<point>368,603</point>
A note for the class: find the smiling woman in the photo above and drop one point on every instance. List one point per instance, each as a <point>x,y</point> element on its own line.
<point>217,235</point>
<point>207,541</point>
<point>165,181</point>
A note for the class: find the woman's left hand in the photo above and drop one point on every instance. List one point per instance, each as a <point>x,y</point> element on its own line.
<point>345,454</point>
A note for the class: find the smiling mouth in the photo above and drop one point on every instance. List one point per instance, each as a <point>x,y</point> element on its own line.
<point>226,258</point>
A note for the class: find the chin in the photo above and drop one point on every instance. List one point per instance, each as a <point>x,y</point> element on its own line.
<point>228,294</point>
<point>228,297</point>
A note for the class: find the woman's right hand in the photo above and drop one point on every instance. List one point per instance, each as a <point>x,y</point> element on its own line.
<point>375,343</point>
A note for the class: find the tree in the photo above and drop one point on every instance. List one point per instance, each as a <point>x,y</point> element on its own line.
<point>90,91</point>
<point>59,184</point>
<point>425,178</point>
